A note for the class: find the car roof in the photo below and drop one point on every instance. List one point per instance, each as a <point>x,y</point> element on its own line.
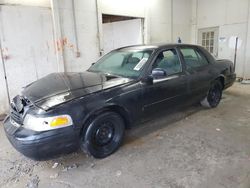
<point>155,46</point>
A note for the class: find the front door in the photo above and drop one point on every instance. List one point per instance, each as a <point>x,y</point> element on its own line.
<point>169,90</point>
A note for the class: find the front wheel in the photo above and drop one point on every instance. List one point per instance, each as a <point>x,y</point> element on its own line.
<point>213,96</point>
<point>104,135</point>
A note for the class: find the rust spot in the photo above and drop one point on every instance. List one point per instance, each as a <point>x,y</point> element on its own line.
<point>63,43</point>
<point>5,52</point>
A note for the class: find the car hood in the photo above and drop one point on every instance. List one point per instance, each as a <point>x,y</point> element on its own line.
<point>58,88</point>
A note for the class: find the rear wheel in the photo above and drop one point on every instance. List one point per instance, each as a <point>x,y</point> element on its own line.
<point>213,96</point>
<point>104,135</point>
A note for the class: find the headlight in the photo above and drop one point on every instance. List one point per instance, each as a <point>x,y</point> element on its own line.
<point>48,123</point>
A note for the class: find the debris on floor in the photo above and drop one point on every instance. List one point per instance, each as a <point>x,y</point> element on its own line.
<point>65,169</point>
<point>92,165</point>
<point>118,173</point>
<point>54,176</point>
<point>55,165</point>
<point>33,182</point>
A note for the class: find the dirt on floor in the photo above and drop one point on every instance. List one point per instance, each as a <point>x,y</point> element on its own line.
<point>192,148</point>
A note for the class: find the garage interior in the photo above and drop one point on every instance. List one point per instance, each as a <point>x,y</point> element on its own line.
<point>192,147</point>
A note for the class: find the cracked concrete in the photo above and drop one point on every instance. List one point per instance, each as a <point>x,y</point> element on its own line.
<point>191,148</point>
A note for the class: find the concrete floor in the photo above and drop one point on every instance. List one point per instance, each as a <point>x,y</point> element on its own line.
<point>192,148</point>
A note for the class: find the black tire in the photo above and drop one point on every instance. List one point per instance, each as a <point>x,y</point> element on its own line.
<point>104,135</point>
<point>213,96</point>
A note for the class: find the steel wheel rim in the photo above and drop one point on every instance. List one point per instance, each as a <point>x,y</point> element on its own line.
<point>214,95</point>
<point>104,134</point>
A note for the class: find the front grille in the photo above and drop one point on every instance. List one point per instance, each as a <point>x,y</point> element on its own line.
<point>16,117</point>
<point>17,108</point>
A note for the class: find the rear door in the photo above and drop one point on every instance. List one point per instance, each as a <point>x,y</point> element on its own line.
<point>168,91</point>
<point>199,70</point>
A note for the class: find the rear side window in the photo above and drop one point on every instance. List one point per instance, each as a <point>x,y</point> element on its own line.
<point>193,58</point>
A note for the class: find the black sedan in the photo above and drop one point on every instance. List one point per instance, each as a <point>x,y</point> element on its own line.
<point>90,110</point>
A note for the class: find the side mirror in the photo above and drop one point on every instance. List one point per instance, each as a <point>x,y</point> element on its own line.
<point>158,73</point>
<point>93,63</point>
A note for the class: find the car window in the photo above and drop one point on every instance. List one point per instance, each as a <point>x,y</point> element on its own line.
<point>193,58</point>
<point>169,61</point>
<point>127,63</point>
<point>202,58</point>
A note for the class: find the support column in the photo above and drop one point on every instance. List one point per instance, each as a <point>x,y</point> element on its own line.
<point>246,73</point>
<point>57,34</point>
<point>194,29</point>
<point>99,27</point>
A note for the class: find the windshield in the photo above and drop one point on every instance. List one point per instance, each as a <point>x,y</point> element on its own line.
<point>122,63</point>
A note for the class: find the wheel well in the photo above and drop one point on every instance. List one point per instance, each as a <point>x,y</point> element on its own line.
<point>222,80</point>
<point>114,108</point>
<point>123,113</point>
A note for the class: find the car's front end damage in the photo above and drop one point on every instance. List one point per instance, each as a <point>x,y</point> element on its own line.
<point>39,135</point>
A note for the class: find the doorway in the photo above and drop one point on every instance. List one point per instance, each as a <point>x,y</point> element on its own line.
<point>119,31</point>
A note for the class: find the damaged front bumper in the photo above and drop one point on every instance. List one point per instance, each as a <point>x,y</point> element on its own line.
<point>41,145</point>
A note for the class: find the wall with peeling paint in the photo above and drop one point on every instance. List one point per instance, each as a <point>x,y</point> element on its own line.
<point>28,48</point>
<point>79,38</point>
<point>158,24</point>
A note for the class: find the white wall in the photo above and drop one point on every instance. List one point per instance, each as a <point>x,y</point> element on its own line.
<point>231,16</point>
<point>3,93</point>
<point>164,21</point>
<point>131,8</point>
<point>222,12</point>
<point>78,37</point>
<point>160,21</point>
<point>113,34</point>
<point>157,25</point>
<point>227,51</point>
<point>86,37</point>
<point>182,12</point>
<point>136,8</point>
<point>37,3</point>
<point>247,50</point>
<point>157,15</point>
<point>29,53</point>
<point>88,41</point>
